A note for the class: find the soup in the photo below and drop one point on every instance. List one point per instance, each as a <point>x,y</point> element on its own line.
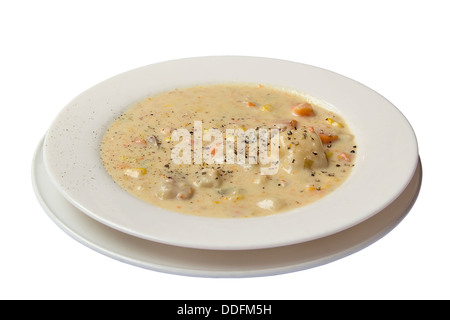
<point>229,150</point>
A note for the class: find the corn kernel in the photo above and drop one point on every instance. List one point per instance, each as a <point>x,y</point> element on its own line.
<point>334,123</point>
<point>267,107</point>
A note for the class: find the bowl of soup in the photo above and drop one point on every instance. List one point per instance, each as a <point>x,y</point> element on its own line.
<point>230,152</point>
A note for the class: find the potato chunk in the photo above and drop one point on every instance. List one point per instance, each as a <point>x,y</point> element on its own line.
<point>301,149</point>
<point>135,172</point>
<point>208,178</point>
<point>169,188</point>
<point>272,204</point>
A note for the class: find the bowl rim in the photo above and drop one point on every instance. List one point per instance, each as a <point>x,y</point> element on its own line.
<point>387,154</point>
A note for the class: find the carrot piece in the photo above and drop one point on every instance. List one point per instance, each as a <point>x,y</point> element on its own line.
<point>327,138</point>
<point>251,104</point>
<point>140,141</point>
<point>214,149</point>
<point>344,156</point>
<point>303,109</point>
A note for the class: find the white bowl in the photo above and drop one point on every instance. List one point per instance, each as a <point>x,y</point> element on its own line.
<point>387,155</point>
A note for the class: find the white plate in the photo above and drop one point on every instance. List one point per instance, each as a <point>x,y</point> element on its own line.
<point>386,160</point>
<point>216,263</point>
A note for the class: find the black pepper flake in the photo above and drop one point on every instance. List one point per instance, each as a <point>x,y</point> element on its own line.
<point>352,151</point>
<point>338,165</point>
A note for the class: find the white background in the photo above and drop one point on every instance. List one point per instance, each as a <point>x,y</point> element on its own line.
<point>54,50</point>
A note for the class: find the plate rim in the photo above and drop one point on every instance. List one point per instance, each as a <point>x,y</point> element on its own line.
<point>97,241</point>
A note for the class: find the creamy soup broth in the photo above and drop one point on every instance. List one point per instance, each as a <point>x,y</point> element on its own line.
<point>316,151</point>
